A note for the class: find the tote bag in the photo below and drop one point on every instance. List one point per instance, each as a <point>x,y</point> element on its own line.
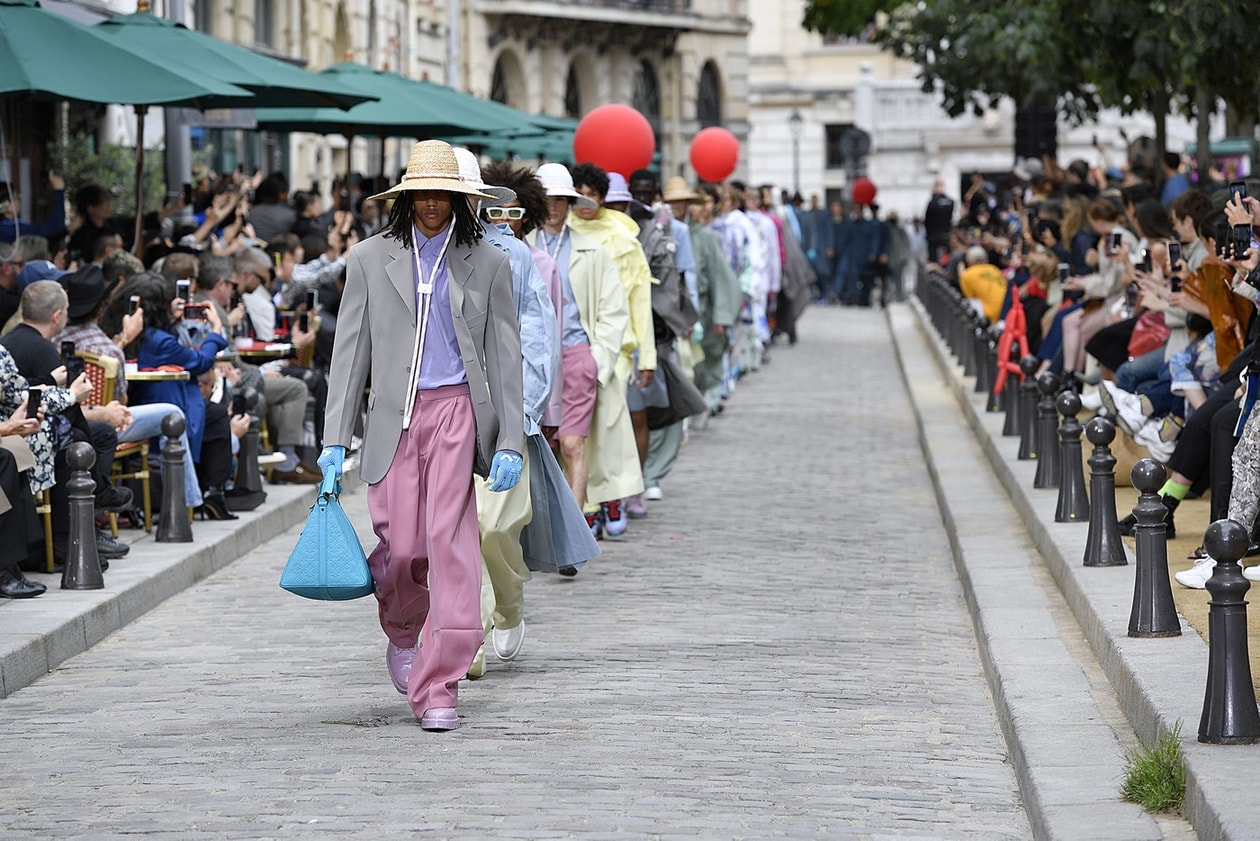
<point>328,561</point>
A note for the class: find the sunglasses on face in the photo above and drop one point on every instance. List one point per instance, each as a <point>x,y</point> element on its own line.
<point>500,214</point>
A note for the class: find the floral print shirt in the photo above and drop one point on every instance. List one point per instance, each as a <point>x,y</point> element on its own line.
<point>44,443</point>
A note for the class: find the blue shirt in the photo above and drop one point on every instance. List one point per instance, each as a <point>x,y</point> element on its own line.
<point>536,315</point>
<point>442,363</point>
<point>685,260</point>
<point>560,249</point>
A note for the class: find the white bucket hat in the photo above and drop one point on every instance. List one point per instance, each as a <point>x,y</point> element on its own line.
<point>432,166</point>
<point>470,171</point>
<point>618,189</point>
<point>557,181</point>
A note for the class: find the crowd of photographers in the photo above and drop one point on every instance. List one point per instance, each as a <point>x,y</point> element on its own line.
<point>1137,286</point>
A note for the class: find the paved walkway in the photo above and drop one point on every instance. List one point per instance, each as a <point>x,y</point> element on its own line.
<point>781,650</point>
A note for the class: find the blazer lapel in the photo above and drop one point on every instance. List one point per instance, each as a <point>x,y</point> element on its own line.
<point>459,270</point>
<point>401,272</point>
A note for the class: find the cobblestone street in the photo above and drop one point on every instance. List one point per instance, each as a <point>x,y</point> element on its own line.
<point>780,651</point>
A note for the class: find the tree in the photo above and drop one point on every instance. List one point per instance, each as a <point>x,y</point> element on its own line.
<point>842,17</point>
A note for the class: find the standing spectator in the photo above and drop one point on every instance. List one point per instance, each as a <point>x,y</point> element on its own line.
<point>1175,181</point>
<point>11,202</point>
<point>271,214</point>
<point>938,221</point>
<point>94,207</point>
<point>899,259</point>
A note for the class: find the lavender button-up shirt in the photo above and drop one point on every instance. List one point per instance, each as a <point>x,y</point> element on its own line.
<point>443,364</point>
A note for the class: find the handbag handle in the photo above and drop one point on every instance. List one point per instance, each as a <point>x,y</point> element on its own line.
<point>329,487</point>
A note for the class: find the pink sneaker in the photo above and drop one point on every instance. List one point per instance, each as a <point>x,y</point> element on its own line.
<point>635,508</point>
<point>440,718</point>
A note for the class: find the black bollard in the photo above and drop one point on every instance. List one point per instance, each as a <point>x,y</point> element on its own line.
<point>1010,399</point>
<point>83,564</point>
<point>984,361</point>
<point>174,526</point>
<point>994,403</point>
<point>966,343</point>
<point>1073,504</point>
<point>1154,614</point>
<point>1028,408</point>
<point>1047,446</point>
<point>1230,715</point>
<point>247,478</point>
<point>1102,546</point>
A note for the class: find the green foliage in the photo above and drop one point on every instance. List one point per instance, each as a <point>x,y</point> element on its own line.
<point>114,168</point>
<point>842,17</point>
<point>1155,778</point>
<point>1080,55</point>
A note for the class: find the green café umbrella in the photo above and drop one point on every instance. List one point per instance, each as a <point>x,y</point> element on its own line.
<point>405,108</point>
<point>46,56</point>
<point>273,82</point>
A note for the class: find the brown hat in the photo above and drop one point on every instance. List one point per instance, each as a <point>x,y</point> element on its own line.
<point>677,189</point>
<point>432,166</point>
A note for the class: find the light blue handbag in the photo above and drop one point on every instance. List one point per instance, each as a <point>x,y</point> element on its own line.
<point>328,561</point>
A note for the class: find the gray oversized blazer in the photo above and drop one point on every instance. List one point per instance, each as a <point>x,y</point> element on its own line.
<point>375,333</point>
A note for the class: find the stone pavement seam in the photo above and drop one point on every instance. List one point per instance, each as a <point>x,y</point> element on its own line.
<point>37,635</point>
<point>1158,682</point>
<point>1069,775</point>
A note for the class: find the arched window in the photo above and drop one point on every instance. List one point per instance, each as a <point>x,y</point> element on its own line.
<point>498,83</point>
<point>203,16</point>
<point>572,93</point>
<point>646,95</point>
<point>709,97</point>
<point>264,23</point>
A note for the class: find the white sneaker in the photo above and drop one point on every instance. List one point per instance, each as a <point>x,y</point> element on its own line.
<point>1252,573</point>
<point>478,668</point>
<point>1196,577</point>
<point>1127,407</point>
<point>653,493</point>
<point>1091,401</point>
<point>270,459</point>
<point>508,641</point>
<point>1148,436</point>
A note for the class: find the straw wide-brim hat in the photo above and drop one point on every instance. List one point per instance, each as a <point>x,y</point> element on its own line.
<point>558,181</point>
<point>677,189</point>
<point>432,166</point>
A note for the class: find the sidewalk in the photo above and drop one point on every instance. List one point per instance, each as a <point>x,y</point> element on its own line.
<point>1158,682</point>
<point>37,635</point>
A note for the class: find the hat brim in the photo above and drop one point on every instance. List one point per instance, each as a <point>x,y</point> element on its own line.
<point>617,196</point>
<point>583,202</point>
<point>498,195</point>
<point>685,195</point>
<point>78,309</point>
<point>449,185</point>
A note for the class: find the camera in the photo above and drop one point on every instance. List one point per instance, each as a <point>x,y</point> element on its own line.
<point>238,404</point>
<point>1114,243</point>
<point>1064,271</point>
<point>188,195</point>
<point>1174,254</point>
<point>33,398</point>
<point>183,289</point>
<point>1174,283</point>
<point>1238,188</point>
<point>236,300</point>
<point>133,305</point>
<point>196,312</point>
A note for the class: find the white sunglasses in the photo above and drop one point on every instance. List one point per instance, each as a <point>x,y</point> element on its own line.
<point>498,214</point>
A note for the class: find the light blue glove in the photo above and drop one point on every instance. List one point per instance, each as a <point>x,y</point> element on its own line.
<point>505,470</point>
<point>331,461</point>
<point>697,333</point>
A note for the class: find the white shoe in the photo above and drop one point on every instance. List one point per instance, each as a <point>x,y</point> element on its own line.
<point>1127,407</point>
<point>1252,573</point>
<point>1148,436</point>
<point>653,493</point>
<point>1091,401</point>
<point>1196,577</point>
<point>270,459</point>
<point>508,641</point>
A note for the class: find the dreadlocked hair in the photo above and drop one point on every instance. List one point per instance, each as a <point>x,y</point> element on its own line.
<point>529,191</point>
<point>402,220</point>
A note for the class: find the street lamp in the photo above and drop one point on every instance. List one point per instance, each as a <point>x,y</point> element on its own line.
<point>794,123</point>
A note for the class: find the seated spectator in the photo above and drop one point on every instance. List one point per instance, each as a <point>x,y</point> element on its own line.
<point>85,290</point>
<point>44,313</point>
<point>983,284</point>
<point>252,273</point>
<point>119,267</point>
<point>10,267</point>
<point>158,346</point>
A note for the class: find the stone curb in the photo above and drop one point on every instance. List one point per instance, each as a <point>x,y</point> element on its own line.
<point>1158,682</point>
<point>1069,776</point>
<point>37,635</point>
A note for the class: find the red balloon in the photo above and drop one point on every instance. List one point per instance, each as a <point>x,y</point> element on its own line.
<point>615,138</point>
<point>714,154</point>
<point>864,191</point>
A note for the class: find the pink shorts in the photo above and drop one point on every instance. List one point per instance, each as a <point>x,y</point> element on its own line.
<point>581,379</point>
